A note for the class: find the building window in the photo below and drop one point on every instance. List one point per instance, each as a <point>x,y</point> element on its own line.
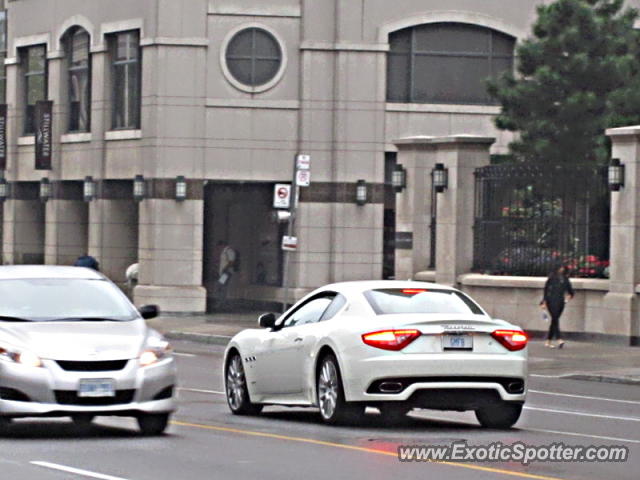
<point>446,63</point>
<point>34,67</point>
<point>253,57</point>
<point>3,55</point>
<point>78,62</point>
<point>126,77</point>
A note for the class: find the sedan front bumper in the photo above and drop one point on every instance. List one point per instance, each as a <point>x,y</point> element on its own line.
<point>52,391</point>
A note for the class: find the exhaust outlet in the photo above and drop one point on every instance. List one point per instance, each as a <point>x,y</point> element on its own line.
<point>515,387</point>
<point>390,387</point>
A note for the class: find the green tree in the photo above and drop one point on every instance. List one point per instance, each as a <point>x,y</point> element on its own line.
<point>578,75</point>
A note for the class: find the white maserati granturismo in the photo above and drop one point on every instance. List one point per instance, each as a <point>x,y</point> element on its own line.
<point>387,344</point>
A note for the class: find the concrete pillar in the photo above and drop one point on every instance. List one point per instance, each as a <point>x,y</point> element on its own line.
<point>23,233</point>
<point>621,301</point>
<point>413,206</point>
<point>461,155</point>
<point>170,255</point>
<point>113,234</point>
<point>66,230</point>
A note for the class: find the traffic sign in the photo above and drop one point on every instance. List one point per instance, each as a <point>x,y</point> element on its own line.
<point>303,178</point>
<point>290,244</point>
<point>281,195</point>
<point>303,162</point>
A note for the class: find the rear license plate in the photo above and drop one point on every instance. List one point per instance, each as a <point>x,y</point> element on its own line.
<point>96,387</point>
<point>457,342</point>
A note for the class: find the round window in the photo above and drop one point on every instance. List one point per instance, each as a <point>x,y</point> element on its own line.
<point>253,57</point>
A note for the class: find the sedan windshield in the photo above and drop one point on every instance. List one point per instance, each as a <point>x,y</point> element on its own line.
<point>419,300</point>
<point>62,298</point>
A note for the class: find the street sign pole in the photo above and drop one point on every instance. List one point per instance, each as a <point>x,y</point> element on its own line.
<point>291,229</point>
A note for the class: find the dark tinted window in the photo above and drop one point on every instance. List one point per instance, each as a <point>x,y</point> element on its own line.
<point>125,79</point>
<point>34,68</point>
<point>338,302</point>
<point>418,300</point>
<point>445,63</point>
<point>310,312</point>
<point>79,78</point>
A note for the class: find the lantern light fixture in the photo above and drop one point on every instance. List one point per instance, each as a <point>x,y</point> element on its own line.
<point>181,188</point>
<point>440,178</point>
<point>88,189</point>
<point>362,192</point>
<point>139,188</point>
<point>399,178</point>
<point>615,175</point>
<point>45,189</point>
<point>4,189</point>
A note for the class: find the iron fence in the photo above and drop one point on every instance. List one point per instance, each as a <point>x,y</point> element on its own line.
<point>531,218</point>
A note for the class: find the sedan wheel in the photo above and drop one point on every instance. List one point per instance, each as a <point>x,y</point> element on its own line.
<point>236,389</point>
<point>503,415</point>
<point>153,423</point>
<point>334,409</point>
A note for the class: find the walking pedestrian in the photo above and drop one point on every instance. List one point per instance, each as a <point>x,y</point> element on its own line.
<point>557,292</point>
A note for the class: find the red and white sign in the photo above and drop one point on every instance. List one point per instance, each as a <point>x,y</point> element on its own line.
<point>282,195</point>
<point>303,178</point>
<point>289,244</point>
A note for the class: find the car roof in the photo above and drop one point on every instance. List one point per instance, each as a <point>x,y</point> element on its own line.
<point>11,272</point>
<point>363,286</point>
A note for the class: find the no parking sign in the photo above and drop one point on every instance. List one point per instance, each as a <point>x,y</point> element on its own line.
<point>281,195</point>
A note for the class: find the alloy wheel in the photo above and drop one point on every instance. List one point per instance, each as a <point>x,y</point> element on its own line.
<point>328,389</point>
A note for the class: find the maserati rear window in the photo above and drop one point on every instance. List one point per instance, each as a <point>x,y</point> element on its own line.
<point>419,300</point>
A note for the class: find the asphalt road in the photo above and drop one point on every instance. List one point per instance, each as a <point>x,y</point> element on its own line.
<point>206,442</point>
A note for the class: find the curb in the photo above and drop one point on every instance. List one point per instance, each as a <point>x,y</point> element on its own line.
<point>199,338</point>
<point>602,378</point>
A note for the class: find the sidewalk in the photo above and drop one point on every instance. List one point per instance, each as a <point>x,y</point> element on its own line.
<point>579,360</point>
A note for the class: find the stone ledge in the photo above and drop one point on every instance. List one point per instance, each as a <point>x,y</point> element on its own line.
<point>500,281</point>
<point>448,139</point>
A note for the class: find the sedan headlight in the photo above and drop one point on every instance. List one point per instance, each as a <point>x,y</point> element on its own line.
<point>156,347</point>
<point>19,356</point>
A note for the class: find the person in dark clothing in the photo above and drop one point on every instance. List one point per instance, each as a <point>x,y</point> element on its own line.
<point>87,261</point>
<point>557,291</point>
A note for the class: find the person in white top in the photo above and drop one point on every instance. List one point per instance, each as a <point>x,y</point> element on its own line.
<point>226,267</point>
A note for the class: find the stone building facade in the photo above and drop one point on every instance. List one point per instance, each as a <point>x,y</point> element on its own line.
<point>225,94</point>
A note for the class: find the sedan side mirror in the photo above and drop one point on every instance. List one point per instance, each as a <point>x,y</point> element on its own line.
<point>149,311</point>
<point>267,320</point>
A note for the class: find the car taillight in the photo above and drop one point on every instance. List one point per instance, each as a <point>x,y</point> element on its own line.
<point>512,340</point>
<point>390,339</point>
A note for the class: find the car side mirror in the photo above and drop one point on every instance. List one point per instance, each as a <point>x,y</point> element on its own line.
<point>149,311</point>
<point>267,320</point>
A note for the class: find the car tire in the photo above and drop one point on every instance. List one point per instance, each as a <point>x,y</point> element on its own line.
<point>503,415</point>
<point>334,409</point>
<point>236,390</point>
<point>393,412</point>
<point>153,423</point>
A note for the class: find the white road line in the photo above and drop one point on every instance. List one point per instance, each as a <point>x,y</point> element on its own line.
<point>582,414</point>
<point>76,471</point>
<point>543,376</point>
<point>180,354</point>
<point>199,390</point>
<point>541,392</point>
<point>571,434</point>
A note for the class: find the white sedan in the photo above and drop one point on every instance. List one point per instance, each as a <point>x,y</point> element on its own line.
<point>386,344</point>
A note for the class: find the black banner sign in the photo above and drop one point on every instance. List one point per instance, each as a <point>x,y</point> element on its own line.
<point>3,136</point>
<point>43,124</point>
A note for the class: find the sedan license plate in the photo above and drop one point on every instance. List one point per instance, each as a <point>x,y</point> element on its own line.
<point>96,387</point>
<point>457,342</point>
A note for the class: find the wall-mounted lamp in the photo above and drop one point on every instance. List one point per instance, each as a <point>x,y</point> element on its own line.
<point>45,189</point>
<point>440,178</point>
<point>4,189</point>
<point>399,178</point>
<point>615,175</point>
<point>139,188</point>
<point>88,189</point>
<point>181,188</point>
<point>362,192</point>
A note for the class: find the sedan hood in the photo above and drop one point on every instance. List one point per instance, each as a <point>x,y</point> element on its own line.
<point>77,340</point>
